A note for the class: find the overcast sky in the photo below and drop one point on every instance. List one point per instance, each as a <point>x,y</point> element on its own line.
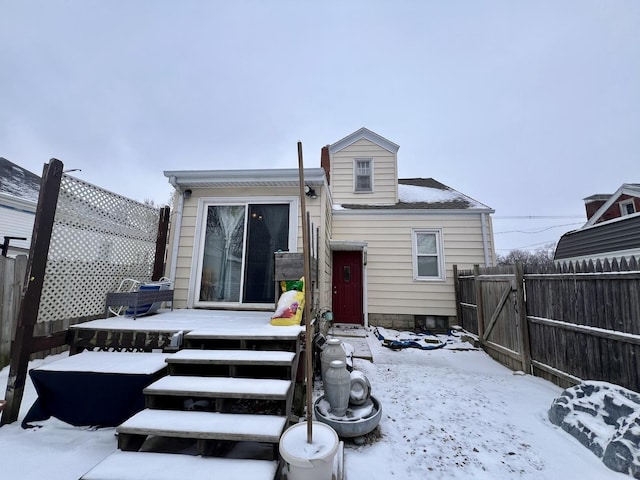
<point>526,106</point>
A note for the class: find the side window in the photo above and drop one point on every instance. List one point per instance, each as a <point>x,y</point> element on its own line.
<point>363,175</point>
<point>627,207</point>
<point>428,258</point>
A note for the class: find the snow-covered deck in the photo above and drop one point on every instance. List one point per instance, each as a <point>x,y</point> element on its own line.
<point>223,322</point>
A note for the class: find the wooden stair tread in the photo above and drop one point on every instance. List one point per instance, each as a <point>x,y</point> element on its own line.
<point>209,425</point>
<point>167,466</point>
<point>266,333</point>
<point>251,388</point>
<point>234,357</point>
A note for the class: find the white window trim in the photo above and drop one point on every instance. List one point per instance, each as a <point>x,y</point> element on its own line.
<point>439,249</point>
<point>623,207</point>
<point>355,174</point>
<point>198,245</point>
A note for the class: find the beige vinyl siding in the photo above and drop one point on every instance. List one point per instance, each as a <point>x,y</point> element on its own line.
<point>385,175</point>
<point>185,250</point>
<point>188,243</point>
<point>324,257</point>
<point>391,288</point>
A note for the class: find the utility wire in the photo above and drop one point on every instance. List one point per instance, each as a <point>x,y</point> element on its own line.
<point>541,230</point>
<point>528,246</point>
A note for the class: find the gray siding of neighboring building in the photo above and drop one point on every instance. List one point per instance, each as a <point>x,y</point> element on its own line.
<point>601,239</point>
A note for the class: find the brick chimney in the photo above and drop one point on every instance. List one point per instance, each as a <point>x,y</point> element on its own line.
<point>325,162</point>
<point>594,202</point>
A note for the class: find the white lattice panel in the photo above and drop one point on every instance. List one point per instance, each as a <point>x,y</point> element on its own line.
<point>98,239</point>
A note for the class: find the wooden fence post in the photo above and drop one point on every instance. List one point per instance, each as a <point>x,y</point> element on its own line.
<point>6,310</point>
<point>479,303</point>
<point>12,272</point>
<point>161,244</point>
<point>521,318</point>
<point>456,287</point>
<point>21,347</point>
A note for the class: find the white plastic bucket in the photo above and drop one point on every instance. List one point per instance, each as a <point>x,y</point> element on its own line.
<point>309,461</point>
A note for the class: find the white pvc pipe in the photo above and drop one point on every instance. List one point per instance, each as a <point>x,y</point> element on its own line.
<point>176,237</point>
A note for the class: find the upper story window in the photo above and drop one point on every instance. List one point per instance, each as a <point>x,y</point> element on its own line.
<point>428,257</point>
<point>627,207</point>
<point>363,174</point>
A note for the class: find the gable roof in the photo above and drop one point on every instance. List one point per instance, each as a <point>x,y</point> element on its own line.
<point>426,193</point>
<point>359,135</point>
<point>18,182</point>
<point>632,189</point>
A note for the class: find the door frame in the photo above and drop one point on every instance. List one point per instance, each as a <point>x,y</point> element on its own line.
<point>344,245</point>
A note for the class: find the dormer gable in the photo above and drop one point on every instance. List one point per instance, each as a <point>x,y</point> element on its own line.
<point>366,134</point>
<point>363,169</point>
<point>625,201</point>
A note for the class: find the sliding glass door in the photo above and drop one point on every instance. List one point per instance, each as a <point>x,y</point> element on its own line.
<point>239,243</point>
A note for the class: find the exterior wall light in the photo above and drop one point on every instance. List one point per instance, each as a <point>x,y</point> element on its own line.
<point>310,192</point>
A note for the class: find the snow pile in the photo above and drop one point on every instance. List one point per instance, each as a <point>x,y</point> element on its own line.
<point>605,418</point>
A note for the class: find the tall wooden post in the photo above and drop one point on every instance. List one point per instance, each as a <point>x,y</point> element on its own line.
<point>161,243</point>
<point>21,347</point>
<point>307,288</point>
<point>521,318</point>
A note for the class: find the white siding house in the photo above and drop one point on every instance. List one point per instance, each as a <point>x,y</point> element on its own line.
<point>18,200</point>
<point>385,246</point>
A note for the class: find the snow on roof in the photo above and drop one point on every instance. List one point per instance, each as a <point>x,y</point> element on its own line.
<point>16,181</point>
<point>416,194</point>
<point>424,193</point>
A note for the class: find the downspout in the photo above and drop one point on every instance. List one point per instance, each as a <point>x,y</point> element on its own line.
<point>485,242</point>
<point>176,232</point>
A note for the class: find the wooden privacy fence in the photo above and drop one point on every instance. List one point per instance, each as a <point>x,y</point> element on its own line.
<point>12,272</point>
<point>566,323</point>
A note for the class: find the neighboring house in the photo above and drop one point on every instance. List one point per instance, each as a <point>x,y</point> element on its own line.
<point>18,200</point>
<point>385,246</point>
<point>612,229</point>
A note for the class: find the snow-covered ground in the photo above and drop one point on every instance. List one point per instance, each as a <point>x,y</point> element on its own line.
<point>447,414</point>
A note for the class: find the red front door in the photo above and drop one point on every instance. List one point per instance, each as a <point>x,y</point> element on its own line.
<point>347,287</point>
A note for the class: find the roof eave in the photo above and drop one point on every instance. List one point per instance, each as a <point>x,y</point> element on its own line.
<point>413,211</point>
<point>181,179</point>
<point>18,203</point>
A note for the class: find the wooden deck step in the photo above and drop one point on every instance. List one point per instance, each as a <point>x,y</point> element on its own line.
<point>232,357</point>
<point>203,425</point>
<point>216,387</point>
<point>267,338</point>
<point>233,363</point>
<point>266,333</point>
<point>166,466</point>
